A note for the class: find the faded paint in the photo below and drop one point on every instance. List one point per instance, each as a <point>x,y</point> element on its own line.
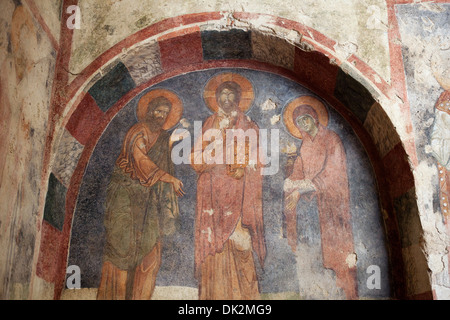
<point>424,32</point>
<point>363,33</point>
<point>368,245</point>
<point>358,29</point>
<point>26,77</point>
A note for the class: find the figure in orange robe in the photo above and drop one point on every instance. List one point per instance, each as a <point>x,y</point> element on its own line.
<point>229,220</point>
<point>141,207</point>
<point>320,170</point>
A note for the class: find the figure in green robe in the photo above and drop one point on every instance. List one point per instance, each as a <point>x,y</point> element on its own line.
<point>141,207</point>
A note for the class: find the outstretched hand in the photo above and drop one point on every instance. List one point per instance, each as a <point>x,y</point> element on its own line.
<point>178,187</point>
<point>176,183</point>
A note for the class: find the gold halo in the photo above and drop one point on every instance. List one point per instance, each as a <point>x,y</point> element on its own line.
<point>175,112</point>
<point>247,95</point>
<point>288,112</point>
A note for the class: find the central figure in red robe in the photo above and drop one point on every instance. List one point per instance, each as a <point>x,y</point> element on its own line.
<point>229,220</point>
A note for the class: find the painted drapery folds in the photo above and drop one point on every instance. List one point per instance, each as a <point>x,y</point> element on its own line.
<point>320,170</point>
<point>74,74</point>
<point>149,227</point>
<point>141,205</point>
<point>440,135</point>
<point>440,144</point>
<point>229,224</point>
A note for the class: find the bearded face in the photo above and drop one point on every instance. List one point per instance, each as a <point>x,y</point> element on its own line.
<point>228,96</point>
<point>227,100</point>
<point>158,116</point>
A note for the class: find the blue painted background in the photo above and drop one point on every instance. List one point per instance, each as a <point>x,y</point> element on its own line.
<point>177,269</point>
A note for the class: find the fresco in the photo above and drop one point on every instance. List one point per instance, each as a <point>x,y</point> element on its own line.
<point>426,52</point>
<point>320,170</point>
<point>169,202</point>
<point>141,202</point>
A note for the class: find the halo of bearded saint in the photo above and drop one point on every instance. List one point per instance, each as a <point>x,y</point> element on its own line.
<point>155,98</point>
<point>301,106</point>
<point>239,84</point>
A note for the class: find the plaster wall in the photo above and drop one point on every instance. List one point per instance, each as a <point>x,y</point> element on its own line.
<point>385,46</point>
<point>27,63</point>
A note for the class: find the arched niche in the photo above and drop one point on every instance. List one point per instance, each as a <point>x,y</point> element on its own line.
<point>117,78</point>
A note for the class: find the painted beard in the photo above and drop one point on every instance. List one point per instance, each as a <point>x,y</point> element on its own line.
<point>156,123</point>
<point>159,121</point>
<point>228,107</point>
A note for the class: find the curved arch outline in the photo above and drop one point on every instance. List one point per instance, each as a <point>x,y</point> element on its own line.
<point>322,45</point>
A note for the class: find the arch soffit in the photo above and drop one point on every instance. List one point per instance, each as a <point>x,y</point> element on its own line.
<point>349,86</point>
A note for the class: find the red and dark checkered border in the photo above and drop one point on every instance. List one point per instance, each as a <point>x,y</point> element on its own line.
<point>86,121</point>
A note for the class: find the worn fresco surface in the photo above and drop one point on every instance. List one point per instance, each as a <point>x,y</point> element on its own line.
<point>288,271</point>
<point>426,53</point>
<point>398,52</point>
<point>27,64</point>
<point>364,33</point>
